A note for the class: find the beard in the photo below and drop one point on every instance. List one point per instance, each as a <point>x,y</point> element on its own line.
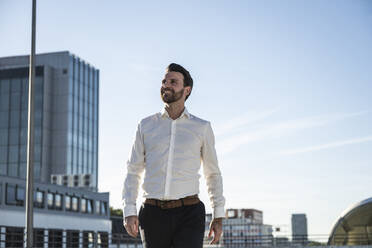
<point>168,95</point>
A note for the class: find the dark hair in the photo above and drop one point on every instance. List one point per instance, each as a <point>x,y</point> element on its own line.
<point>187,80</point>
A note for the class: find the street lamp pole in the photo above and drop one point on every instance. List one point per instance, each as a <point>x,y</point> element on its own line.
<point>30,137</point>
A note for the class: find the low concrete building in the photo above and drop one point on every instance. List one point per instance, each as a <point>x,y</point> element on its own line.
<point>62,215</point>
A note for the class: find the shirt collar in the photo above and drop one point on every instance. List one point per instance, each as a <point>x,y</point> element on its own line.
<point>186,113</point>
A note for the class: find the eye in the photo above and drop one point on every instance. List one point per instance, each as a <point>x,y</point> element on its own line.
<point>163,81</point>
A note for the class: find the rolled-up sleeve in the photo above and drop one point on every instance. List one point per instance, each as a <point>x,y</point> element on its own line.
<point>212,173</point>
<point>135,168</point>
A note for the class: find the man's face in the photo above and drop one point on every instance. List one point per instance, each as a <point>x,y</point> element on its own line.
<point>172,89</point>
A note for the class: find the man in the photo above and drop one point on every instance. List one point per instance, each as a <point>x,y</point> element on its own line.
<point>169,147</point>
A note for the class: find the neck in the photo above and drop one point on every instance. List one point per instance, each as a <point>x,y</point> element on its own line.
<point>175,109</point>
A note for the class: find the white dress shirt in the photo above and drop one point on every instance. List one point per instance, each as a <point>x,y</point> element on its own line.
<point>170,153</point>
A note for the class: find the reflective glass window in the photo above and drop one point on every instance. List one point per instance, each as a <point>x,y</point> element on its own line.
<point>37,152</point>
<point>58,201</point>
<point>4,103</point>
<point>104,208</point>
<point>37,170</point>
<point>38,102</point>
<point>15,101</point>
<point>23,170</point>
<point>3,154</point>
<point>20,195</point>
<point>23,153</point>
<point>24,101</point>
<point>13,154</point>
<point>81,72</point>
<point>50,200</point>
<point>75,154</point>
<point>37,135</point>
<point>76,123</point>
<point>14,136</point>
<point>23,136</point>
<point>68,202</point>
<point>83,205</point>
<point>38,118</point>
<point>4,136</point>
<point>3,168</point>
<point>81,105</point>
<point>80,154</point>
<point>98,207</point>
<point>90,206</point>
<point>24,118</point>
<point>16,85</point>
<point>4,86</point>
<point>4,119</point>
<point>75,204</point>
<point>14,118</point>
<point>25,86</point>
<point>38,86</point>
<point>11,194</point>
<point>39,199</point>
<point>76,68</point>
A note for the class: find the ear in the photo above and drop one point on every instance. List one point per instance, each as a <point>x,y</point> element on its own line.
<point>187,90</point>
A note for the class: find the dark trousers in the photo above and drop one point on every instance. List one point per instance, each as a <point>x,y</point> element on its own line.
<point>181,227</point>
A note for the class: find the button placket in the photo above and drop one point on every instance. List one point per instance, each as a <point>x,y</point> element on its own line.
<point>170,160</point>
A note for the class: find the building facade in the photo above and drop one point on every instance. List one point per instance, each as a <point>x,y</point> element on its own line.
<point>299,228</point>
<point>243,228</point>
<point>65,117</point>
<point>63,216</point>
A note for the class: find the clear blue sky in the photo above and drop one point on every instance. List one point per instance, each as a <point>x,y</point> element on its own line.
<point>286,85</point>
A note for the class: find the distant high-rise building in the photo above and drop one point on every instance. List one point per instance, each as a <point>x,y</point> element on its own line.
<point>65,117</point>
<point>299,228</point>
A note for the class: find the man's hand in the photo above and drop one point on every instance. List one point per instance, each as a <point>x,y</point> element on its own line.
<point>131,225</point>
<point>215,229</point>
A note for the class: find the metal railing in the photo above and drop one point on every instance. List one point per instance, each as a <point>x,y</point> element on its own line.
<point>16,237</point>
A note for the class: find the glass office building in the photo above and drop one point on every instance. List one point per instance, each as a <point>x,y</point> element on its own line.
<point>65,116</point>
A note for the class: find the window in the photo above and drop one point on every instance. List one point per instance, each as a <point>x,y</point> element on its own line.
<point>16,85</point>
<point>90,206</point>
<point>72,238</point>
<point>68,203</point>
<point>103,208</point>
<point>58,201</point>
<point>3,154</point>
<point>98,207</point>
<point>15,101</point>
<point>15,195</point>
<point>12,169</point>
<point>14,136</point>
<point>55,238</point>
<point>5,86</point>
<point>75,204</point>
<point>83,205</point>
<point>38,237</point>
<point>14,237</point>
<point>22,170</point>
<point>13,154</point>
<point>3,136</point>
<point>39,199</point>
<point>4,118</point>
<point>1,192</point>
<point>50,199</point>
<point>3,168</point>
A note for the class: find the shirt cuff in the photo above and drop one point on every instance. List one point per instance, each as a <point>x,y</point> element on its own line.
<point>129,210</point>
<point>218,212</point>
